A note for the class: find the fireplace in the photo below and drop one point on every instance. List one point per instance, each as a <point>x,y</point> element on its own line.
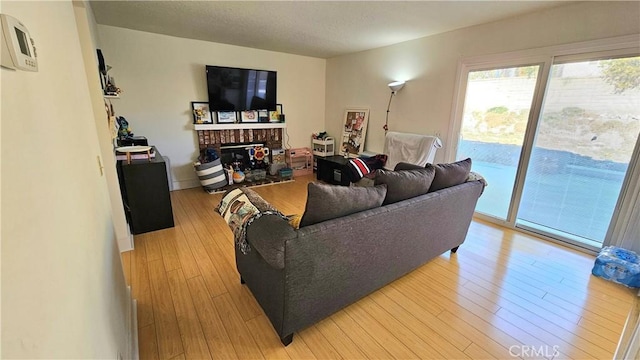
<point>237,154</point>
<point>231,141</point>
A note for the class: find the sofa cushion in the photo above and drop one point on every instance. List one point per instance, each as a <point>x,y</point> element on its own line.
<point>407,166</point>
<point>402,185</point>
<point>326,202</point>
<point>447,175</point>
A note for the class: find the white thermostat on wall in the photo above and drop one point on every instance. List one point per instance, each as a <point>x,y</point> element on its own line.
<point>18,50</point>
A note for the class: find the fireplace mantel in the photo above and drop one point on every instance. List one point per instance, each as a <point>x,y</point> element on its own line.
<point>215,135</point>
<point>244,126</point>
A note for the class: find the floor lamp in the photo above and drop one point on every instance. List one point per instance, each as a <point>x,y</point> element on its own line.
<point>395,87</point>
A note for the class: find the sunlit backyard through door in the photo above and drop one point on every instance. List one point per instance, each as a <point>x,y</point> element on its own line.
<point>584,140</point>
<point>586,134</point>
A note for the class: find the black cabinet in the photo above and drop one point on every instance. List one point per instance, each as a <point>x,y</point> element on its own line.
<point>331,169</point>
<point>145,193</point>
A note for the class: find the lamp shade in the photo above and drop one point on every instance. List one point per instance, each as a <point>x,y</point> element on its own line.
<point>396,85</point>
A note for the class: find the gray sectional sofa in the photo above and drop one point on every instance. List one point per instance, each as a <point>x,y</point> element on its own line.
<point>300,276</point>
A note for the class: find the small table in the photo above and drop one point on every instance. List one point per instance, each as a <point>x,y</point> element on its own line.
<point>331,169</point>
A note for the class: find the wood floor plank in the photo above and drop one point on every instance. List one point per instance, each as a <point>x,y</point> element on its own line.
<point>152,245</point>
<point>266,338</point>
<point>502,290</point>
<point>474,351</point>
<point>411,315</point>
<point>575,347</point>
<point>147,343</point>
<point>489,344</point>
<point>188,262</point>
<point>447,280</point>
<point>343,345</point>
<point>608,334</point>
<point>569,331</point>
<point>243,343</point>
<point>415,328</point>
<point>355,331</point>
<point>140,285</point>
<point>167,331</point>
<point>299,350</point>
<point>317,343</point>
<point>209,272</point>
<point>193,340</point>
<point>168,249</point>
<point>240,294</point>
<point>217,338</point>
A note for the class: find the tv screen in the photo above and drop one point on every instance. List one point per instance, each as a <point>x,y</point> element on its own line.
<point>236,89</point>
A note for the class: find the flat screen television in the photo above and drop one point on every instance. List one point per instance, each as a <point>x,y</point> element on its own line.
<point>237,89</point>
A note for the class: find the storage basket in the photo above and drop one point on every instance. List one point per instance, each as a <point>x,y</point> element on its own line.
<point>211,174</point>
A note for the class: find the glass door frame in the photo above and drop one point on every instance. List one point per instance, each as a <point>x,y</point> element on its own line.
<point>543,57</point>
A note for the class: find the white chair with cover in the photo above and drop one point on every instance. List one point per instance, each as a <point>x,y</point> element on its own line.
<point>410,148</point>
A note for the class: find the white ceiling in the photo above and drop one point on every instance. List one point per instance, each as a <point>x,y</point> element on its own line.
<point>321,29</point>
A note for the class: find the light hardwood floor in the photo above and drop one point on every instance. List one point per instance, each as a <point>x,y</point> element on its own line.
<point>502,294</point>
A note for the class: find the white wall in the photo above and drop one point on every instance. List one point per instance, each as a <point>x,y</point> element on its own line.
<point>430,64</point>
<point>160,75</point>
<point>89,42</point>
<point>63,289</point>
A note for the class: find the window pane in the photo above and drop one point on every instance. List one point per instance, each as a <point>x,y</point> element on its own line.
<point>496,111</point>
<point>586,134</point>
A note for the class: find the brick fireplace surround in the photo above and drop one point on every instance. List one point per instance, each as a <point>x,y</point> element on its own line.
<point>215,138</point>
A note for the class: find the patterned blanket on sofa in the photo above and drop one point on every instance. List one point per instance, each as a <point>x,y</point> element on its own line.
<point>239,208</point>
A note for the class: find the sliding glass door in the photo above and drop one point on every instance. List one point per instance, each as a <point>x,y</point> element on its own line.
<point>585,137</point>
<point>554,148</point>
<point>497,106</point>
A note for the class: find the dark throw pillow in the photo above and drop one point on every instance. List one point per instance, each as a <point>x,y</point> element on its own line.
<point>451,174</point>
<point>406,166</point>
<point>402,185</point>
<point>326,202</point>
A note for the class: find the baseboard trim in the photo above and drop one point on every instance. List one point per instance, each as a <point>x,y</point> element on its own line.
<point>125,243</point>
<point>135,351</point>
<point>185,184</point>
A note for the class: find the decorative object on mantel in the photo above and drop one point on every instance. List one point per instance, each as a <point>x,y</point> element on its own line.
<point>278,115</point>
<point>201,113</point>
<point>395,87</point>
<point>354,132</point>
<point>227,117</point>
<point>249,116</point>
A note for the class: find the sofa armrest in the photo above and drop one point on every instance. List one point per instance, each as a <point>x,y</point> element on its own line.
<point>268,235</point>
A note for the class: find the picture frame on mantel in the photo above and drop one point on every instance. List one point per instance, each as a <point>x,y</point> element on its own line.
<point>227,117</point>
<point>354,132</point>
<point>249,116</point>
<point>201,112</point>
<point>277,115</point>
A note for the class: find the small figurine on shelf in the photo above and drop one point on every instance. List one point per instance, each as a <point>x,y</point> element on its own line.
<point>111,89</point>
<point>124,131</point>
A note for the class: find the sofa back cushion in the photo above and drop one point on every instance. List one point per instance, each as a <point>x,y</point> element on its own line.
<point>326,202</point>
<point>447,175</point>
<point>405,184</point>
<point>407,166</point>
